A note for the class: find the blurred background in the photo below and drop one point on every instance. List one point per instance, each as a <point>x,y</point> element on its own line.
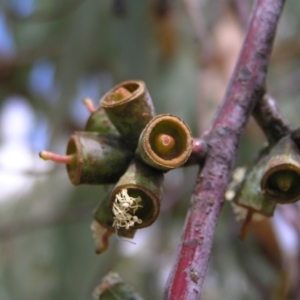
<point>55,53</point>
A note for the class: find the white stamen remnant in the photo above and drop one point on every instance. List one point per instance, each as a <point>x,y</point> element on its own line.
<point>124,209</point>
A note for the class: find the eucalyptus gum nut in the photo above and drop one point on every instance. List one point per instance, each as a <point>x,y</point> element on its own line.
<point>99,159</point>
<point>103,214</point>
<point>249,194</point>
<point>281,178</point>
<point>131,114</point>
<point>100,123</point>
<point>151,146</point>
<point>145,182</point>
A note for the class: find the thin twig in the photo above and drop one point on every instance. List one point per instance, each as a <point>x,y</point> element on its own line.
<point>245,89</point>
<point>266,112</point>
<point>270,119</point>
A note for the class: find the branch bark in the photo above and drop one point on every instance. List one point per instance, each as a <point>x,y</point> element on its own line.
<point>245,89</point>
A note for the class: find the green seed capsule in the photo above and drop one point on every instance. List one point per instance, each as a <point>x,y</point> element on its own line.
<point>135,200</point>
<point>249,195</point>
<point>281,178</point>
<point>165,143</point>
<point>130,108</point>
<point>99,159</point>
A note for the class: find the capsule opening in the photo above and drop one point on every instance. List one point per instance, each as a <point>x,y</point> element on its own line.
<point>148,208</point>
<point>129,88</point>
<point>171,129</point>
<point>147,212</point>
<point>282,186</point>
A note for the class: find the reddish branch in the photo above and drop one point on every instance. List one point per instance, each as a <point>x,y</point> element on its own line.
<point>245,89</point>
<point>265,112</point>
<point>198,153</point>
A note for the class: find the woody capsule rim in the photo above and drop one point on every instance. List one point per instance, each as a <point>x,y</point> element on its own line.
<point>179,130</point>
<point>135,87</point>
<point>281,179</point>
<point>275,194</point>
<point>99,159</point>
<point>74,170</point>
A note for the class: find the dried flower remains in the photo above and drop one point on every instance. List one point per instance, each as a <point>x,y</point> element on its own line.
<point>124,208</point>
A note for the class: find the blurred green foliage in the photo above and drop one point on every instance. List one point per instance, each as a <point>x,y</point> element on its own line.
<point>62,51</point>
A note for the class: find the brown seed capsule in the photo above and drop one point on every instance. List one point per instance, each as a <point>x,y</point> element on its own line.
<point>249,195</point>
<point>135,200</point>
<point>165,143</point>
<point>129,107</point>
<point>92,158</point>
<point>281,178</point>
<point>100,159</point>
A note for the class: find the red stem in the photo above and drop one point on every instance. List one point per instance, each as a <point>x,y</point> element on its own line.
<point>60,159</point>
<point>105,242</point>
<point>245,89</point>
<point>89,104</point>
<point>245,224</point>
